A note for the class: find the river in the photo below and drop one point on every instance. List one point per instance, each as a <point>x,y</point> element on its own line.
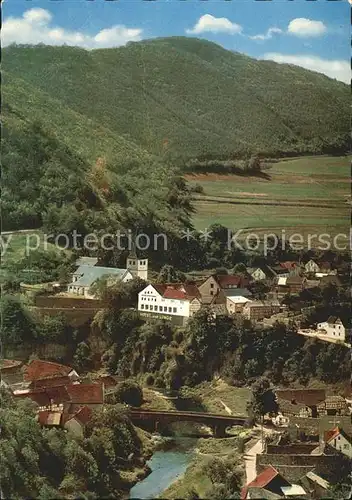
<point>167,466</point>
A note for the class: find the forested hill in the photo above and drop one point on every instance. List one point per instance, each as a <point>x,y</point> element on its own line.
<point>178,98</point>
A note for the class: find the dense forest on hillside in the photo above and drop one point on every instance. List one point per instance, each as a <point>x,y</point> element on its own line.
<point>178,98</point>
<point>48,184</point>
<point>95,140</point>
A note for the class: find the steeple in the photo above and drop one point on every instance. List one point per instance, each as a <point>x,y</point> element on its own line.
<point>137,267</point>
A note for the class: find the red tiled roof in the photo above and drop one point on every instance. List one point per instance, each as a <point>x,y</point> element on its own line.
<point>40,398</point>
<point>83,415</point>
<point>46,396</point>
<point>288,264</point>
<point>262,480</point>
<point>86,393</point>
<point>160,288</point>
<point>179,291</point>
<point>225,280</point>
<point>174,293</point>
<point>331,434</point>
<point>50,382</point>
<point>38,369</point>
<point>191,290</point>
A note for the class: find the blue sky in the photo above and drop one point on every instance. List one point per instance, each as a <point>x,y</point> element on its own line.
<point>311,34</point>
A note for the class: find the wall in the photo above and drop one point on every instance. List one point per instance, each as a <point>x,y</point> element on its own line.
<point>45,351</point>
<point>67,302</point>
<point>291,449</point>
<point>74,317</point>
<point>323,464</point>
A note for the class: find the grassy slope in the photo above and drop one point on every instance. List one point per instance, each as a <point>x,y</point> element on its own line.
<point>200,97</point>
<point>322,182</point>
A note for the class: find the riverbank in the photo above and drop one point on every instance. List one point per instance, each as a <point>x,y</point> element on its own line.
<point>166,466</point>
<point>194,479</point>
<point>177,471</point>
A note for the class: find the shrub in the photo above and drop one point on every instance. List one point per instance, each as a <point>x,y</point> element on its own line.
<point>128,392</point>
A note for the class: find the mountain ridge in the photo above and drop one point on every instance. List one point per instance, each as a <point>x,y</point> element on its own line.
<point>181,98</point>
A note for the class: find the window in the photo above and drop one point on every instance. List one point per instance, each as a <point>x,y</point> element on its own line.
<point>160,308</point>
<point>142,306</point>
<point>155,308</point>
<point>174,309</point>
<point>165,309</point>
<point>211,285</point>
<point>170,309</point>
<point>146,306</point>
<point>211,292</point>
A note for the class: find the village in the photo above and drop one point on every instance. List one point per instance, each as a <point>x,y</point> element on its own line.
<point>301,445</point>
<point>223,293</point>
<point>306,442</point>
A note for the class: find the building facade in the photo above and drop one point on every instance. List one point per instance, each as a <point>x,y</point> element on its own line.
<point>256,310</point>
<point>333,328</point>
<point>88,273</point>
<point>168,301</point>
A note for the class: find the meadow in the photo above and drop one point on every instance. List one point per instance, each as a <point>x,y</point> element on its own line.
<point>306,194</point>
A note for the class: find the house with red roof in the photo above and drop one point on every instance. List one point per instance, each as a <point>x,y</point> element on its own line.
<point>46,398</point>
<point>91,395</point>
<point>176,302</point>
<point>38,370</point>
<point>77,422</point>
<point>339,440</point>
<point>65,398</point>
<point>270,484</point>
<point>217,283</point>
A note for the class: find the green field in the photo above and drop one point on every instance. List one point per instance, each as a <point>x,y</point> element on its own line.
<point>307,193</point>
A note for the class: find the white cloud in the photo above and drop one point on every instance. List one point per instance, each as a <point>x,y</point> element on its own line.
<point>306,27</point>
<point>35,27</point>
<point>338,69</point>
<point>300,26</point>
<point>208,23</point>
<point>37,15</point>
<point>267,35</point>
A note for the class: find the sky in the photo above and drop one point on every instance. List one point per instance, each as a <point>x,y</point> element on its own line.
<point>311,34</point>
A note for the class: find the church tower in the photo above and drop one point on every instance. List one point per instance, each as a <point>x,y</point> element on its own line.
<point>137,267</point>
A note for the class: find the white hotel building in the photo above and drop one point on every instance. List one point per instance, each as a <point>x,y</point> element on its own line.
<point>175,301</point>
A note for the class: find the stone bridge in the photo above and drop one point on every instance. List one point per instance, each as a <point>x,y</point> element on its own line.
<point>218,423</point>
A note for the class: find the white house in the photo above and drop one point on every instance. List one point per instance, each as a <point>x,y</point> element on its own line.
<point>169,301</point>
<point>88,273</point>
<point>339,440</point>
<point>333,328</point>
<point>311,267</point>
<point>261,273</point>
<point>235,304</point>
